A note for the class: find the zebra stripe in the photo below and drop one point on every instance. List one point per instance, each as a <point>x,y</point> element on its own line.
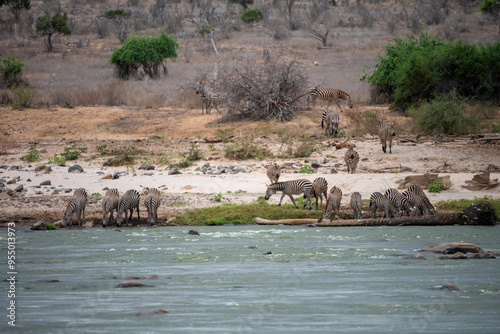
<point>208,99</point>
<point>273,172</point>
<point>386,132</point>
<point>294,187</point>
<point>319,188</point>
<point>417,202</point>
<point>76,204</point>
<point>380,202</point>
<point>400,202</point>
<point>351,158</point>
<point>152,202</point>
<point>356,205</point>
<point>415,188</point>
<point>109,203</point>
<point>128,202</point>
<point>333,203</point>
<point>330,119</point>
<point>330,95</point>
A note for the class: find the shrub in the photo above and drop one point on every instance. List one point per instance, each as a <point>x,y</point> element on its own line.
<point>57,160</point>
<point>446,114</point>
<point>48,26</point>
<point>435,186</point>
<point>23,96</point>
<point>306,169</point>
<point>246,148</point>
<point>33,154</point>
<point>125,156</point>
<point>251,15</point>
<point>70,153</point>
<point>148,54</point>
<point>116,13</point>
<point>10,70</point>
<point>194,154</point>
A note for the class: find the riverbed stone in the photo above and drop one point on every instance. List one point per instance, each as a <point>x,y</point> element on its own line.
<point>48,170</point>
<point>453,247</point>
<point>46,183</point>
<point>75,169</point>
<point>455,256</point>
<point>449,287</point>
<point>133,284</point>
<point>19,188</point>
<point>174,171</point>
<point>39,225</point>
<point>159,311</point>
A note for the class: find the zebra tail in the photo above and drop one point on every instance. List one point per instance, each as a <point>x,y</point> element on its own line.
<point>322,121</point>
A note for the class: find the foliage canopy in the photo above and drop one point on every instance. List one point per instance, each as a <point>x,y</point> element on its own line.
<point>48,26</point>
<point>10,70</point>
<point>146,53</point>
<point>251,15</point>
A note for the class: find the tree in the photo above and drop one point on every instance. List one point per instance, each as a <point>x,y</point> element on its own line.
<point>16,6</point>
<point>145,53</point>
<point>491,7</point>
<point>48,26</point>
<point>244,3</point>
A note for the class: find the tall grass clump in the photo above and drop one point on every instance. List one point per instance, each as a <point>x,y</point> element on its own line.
<point>420,68</point>
<point>446,114</point>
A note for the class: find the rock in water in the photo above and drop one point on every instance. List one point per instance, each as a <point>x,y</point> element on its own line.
<point>132,284</point>
<point>39,225</point>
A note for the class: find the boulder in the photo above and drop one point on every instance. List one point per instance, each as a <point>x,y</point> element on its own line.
<point>449,287</point>
<point>174,171</point>
<point>107,177</point>
<point>453,247</point>
<point>132,284</point>
<point>455,256</point>
<point>46,183</point>
<point>75,169</point>
<point>19,188</point>
<point>193,232</point>
<point>48,170</point>
<point>39,225</point>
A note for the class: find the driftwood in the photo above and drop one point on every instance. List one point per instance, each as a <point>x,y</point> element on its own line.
<point>476,214</point>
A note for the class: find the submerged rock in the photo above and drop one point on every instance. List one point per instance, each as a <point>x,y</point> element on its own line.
<point>453,247</point>
<point>39,225</point>
<point>159,311</point>
<point>132,284</point>
<point>449,287</point>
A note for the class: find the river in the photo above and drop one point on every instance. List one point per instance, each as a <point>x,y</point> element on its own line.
<point>253,279</point>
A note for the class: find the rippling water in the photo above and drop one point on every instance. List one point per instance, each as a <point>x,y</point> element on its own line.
<point>254,279</point>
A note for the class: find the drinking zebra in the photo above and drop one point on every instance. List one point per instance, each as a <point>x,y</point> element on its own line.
<point>351,158</point>
<point>152,202</point>
<point>319,188</point>
<point>386,132</point>
<point>382,203</point>
<point>356,205</point>
<point>330,119</point>
<point>415,188</point>
<point>128,202</point>
<point>333,204</point>
<point>294,187</point>
<point>109,204</point>
<point>400,202</point>
<point>273,172</point>
<point>210,99</point>
<point>417,202</point>
<point>76,204</point>
<point>330,95</point>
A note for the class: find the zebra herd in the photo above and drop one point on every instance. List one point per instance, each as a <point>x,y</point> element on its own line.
<point>412,202</point>
<point>112,201</point>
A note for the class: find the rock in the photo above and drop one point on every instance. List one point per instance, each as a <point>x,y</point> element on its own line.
<point>107,177</point>
<point>46,183</point>
<point>152,276</point>
<point>48,281</point>
<point>268,253</point>
<point>159,311</point>
<point>12,181</point>
<point>315,164</point>
<point>89,224</point>
<point>54,261</point>
<point>58,224</point>
<point>147,166</point>
<point>414,257</point>
<point>116,176</point>
<point>333,171</point>
<point>39,225</point>
<point>484,255</point>
<point>19,188</point>
<point>148,174</point>
<point>453,247</point>
<point>39,168</point>
<point>132,284</point>
<point>14,168</point>
<point>456,256</point>
<point>48,170</point>
<point>75,169</point>
<point>28,180</point>
<point>174,171</point>
<point>68,190</point>
<point>193,232</point>
<point>449,287</point>
<point>55,192</point>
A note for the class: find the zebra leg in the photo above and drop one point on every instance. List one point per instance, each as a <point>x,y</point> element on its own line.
<point>374,211</point>
<point>384,145</point>
<point>138,217</point>
<point>293,201</point>
<point>78,214</point>
<point>309,199</point>
<point>390,145</point>
<point>281,199</point>
<point>338,104</point>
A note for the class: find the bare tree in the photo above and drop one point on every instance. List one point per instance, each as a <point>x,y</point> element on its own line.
<point>314,32</point>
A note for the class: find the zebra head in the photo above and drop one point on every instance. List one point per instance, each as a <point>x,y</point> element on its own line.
<point>348,101</point>
<point>270,191</point>
<point>199,90</point>
<point>68,215</point>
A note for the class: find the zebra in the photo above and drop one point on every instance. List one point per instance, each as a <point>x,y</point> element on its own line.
<point>76,204</point>
<point>109,203</point>
<point>415,188</point>
<point>208,99</point>
<point>330,119</point>
<point>417,202</point>
<point>356,205</point>
<point>319,188</point>
<point>380,202</point>
<point>400,202</point>
<point>333,203</point>
<point>386,132</point>
<point>351,158</point>
<point>152,202</point>
<point>294,187</point>
<point>330,95</point>
<point>273,172</point>
<point>128,202</point>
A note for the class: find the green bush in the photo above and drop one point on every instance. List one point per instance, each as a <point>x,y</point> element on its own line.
<point>306,169</point>
<point>116,13</point>
<point>146,53</point>
<point>423,67</point>
<point>10,70</point>
<point>446,115</point>
<point>57,160</point>
<point>246,148</point>
<point>49,26</point>
<point>251,15</point>
<point>33,154</point>
<point>23,96</point>
<point>435,186</point>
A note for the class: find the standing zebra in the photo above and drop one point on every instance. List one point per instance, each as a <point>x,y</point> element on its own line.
<point>319,188</point>
<point>386,132</point>
<point>76,204</point>
<point>210,99</point>
<point>152,202</point>
<point>351,158</point>
<point>128,202</point>
<point>356,205</point>
<point>294,187</point>
<point>330,119</point>
<point>109,204</point>
<point>380,202</point>
<point>415,188</point>
<point>330,95</point>
<point>400,202</point>
<point>417,202</point>
<point>333,203</point>
<point>273,172</point>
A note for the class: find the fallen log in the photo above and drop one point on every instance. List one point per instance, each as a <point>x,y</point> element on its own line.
<point>476,214</point>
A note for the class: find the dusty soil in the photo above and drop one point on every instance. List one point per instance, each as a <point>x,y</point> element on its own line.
<point>162,136</point>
